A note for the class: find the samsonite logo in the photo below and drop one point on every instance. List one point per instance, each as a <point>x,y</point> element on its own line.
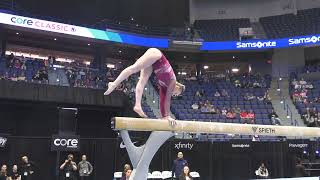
<point>68,143</point>
<point>304,40</point>
<point>259,44</point>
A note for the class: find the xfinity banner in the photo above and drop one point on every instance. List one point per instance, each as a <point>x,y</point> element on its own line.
<point>184,145</point>
<point>262,44</point>
<point>65,143</point>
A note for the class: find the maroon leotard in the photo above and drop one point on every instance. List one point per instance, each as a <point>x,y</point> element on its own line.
<point>164,74</point>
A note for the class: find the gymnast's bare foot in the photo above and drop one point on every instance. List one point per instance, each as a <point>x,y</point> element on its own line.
<point>111,87</point>
<point>139,111</point>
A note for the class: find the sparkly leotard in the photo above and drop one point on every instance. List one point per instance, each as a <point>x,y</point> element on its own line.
<point>164,74</point>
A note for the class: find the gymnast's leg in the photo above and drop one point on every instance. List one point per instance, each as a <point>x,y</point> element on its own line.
<point>144,77</point>
<point>155,141</point>
<point>146,60</point>
<point>133,151</point>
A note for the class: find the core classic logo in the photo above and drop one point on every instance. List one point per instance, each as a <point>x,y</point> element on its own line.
<point>3,141</point>
<point>259,44</point>
<point>305,40</point>
<point>261,130</point>
<point>69,143</point>
<point>42,25</point>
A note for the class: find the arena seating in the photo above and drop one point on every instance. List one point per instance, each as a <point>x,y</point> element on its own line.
<point>221,30</point>
<point>32,67</point>
<point>306,22</point>
<point>306,98</point>
<point>279,26</point>
<point>182,109</point>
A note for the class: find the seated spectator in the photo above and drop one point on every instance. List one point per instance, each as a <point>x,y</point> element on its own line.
<point>237,110</point>
<point>243,114</point>
<point>302,82</point>
<point>217,94</point>
<point>247,117</point>
<point>224,111</point>
<point>231,114</point>
<point>198,94</point>
<point>260,98</point>
<point>195,106</point>
<point>204,108</point>
<point>256,84</point>
<point>17,64</point>
<point>251,116</point>
<point>224,93</point>
<point>249,96</point>
<point>237,83</point>
<point>273,116</point>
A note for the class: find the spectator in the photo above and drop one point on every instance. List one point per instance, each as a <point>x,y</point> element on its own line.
<point>4,173</point>
<point>237,109</point>
<point>249,96</point>
<point>224,111</point>
<point>127,174</point>
<point>251,117</point>
<point>198,94</point>
<point>85,168</point>
<point>231,114</point>
<point>300,169</point>
<point>237,83</point>
<point>69,167</point>
<point>195,106</point>
<point>262,172</point>
<point>274,118</point>
<point>15,175</point>
<point>125,169</point>
<point>217,94</point>
<point>224,93</point>
<point>178,165</point>
<point>186,174</point>
<point>27,168</point>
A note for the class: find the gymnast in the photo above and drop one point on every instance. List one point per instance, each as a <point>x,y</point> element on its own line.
<point>153,60</point>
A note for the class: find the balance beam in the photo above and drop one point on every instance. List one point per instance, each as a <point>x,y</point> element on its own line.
<point>145,124</point>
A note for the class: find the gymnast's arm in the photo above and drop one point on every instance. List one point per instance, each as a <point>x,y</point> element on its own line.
<point>167,100</point>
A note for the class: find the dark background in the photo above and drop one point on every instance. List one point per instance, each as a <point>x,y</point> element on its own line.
<point>146,12</point>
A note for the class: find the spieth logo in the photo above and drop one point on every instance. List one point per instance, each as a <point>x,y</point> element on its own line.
<point>180,145</point>
<point>260,130</point>
<point>258,44</point>
<point>69,143</point>
<point>3,141</point>
<point>297,41</point>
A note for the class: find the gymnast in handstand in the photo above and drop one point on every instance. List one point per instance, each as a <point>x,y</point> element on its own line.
<point>152,61</point>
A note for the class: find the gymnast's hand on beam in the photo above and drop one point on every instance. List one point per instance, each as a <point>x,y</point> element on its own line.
<point>172,121</point>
